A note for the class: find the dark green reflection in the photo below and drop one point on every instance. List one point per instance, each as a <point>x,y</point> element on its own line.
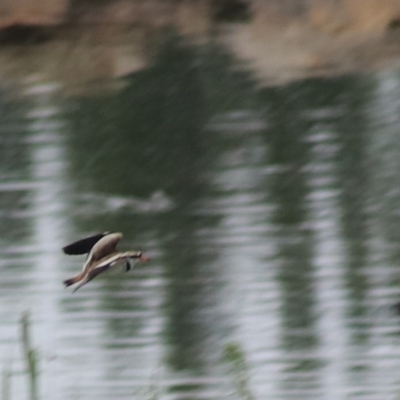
<point>355,183</point>
<point>289,151</point>
<point>16,191</point>
<point>14,170</point>
<point>145,137</point>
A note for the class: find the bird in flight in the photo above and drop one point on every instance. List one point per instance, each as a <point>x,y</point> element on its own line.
<point>102,255</point>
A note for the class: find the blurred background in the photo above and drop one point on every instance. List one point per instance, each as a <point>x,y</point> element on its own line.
<point>251,149</point>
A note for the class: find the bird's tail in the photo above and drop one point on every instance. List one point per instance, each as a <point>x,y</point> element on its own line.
<point>74,279</point>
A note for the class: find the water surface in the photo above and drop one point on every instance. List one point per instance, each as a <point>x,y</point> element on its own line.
<point>271,216</point>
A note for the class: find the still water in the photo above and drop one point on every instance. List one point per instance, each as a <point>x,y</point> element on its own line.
<point>272,218</point>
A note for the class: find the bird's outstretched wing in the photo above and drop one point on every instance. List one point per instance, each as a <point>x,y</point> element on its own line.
<point>83,246</point>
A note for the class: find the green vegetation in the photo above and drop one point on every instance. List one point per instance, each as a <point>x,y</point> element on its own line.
<point>234,356</point>
<point>30,356</point>
<point>6,384</point>
<point>152,392</point>
<point>31,362</point>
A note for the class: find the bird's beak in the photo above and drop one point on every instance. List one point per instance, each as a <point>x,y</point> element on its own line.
<point>143,258</point>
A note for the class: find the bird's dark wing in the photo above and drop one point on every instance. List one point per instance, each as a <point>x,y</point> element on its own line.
<point>83,246</point>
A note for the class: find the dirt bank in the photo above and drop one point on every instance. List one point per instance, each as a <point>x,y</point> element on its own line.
<point>280,40</point>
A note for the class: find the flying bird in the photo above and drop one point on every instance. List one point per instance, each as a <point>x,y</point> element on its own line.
<point>102,255</point>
